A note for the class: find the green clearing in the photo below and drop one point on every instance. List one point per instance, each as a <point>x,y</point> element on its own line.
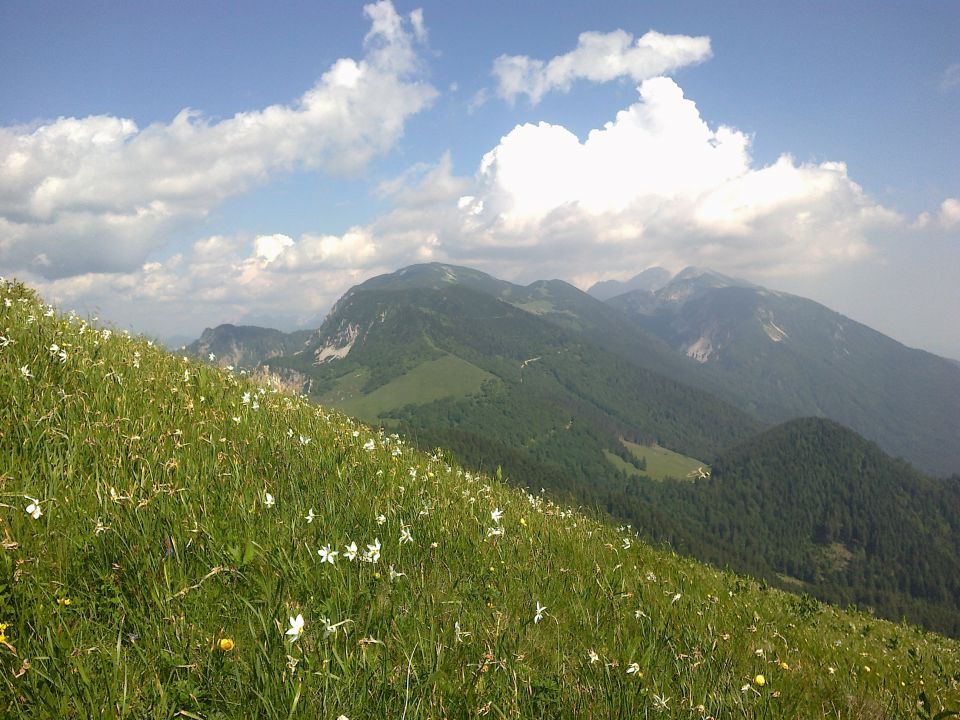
<point>445,377</point>
<point>661,463</point>
<point>347,387</point>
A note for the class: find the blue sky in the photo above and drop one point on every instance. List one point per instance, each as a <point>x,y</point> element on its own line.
<point>285,228</point>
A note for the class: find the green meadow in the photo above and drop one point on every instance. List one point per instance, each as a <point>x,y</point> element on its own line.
<point>661,464</point>
<point>179,542</point>
<point>445,377</point>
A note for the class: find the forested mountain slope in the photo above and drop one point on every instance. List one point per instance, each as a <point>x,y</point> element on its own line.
<point>812,506</point>
<point>784,356</point>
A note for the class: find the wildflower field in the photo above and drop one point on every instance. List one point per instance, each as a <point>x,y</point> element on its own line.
<point>178,541</point>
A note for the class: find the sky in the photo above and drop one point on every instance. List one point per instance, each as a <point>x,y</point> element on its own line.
<point>173,166</point>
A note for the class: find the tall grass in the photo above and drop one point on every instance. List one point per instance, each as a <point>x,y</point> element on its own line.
<point>181,510</point>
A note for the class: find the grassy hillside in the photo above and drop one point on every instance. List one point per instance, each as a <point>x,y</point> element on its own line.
<point>161,528</point>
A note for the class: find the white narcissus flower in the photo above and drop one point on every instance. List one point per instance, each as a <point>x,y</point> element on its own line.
<point>370,445</point>
<point>33,509</point>
<point>496,515</point>
<point>633,669</point>
<point>327,554</point>
<point>350,551</point>
<point>372,554</point>
<point>310,516</point>
<point>330,629</point>
<point>211,357</point>
<point>268,500</point>
<point>25,372</point>
<point>540,611</point>
<point>405,536</point>
<point>296,628</point>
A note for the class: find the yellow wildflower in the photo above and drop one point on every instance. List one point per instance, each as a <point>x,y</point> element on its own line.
<point>760,680</point>
<point>225,644</point>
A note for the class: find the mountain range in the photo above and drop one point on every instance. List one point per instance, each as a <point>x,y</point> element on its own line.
<point>626,404</point>
<point>781,356</point>
<point>246,346</point>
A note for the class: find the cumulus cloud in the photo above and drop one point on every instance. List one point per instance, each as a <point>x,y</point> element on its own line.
<point>658,185</point>
<point>950,213</point>
<point>598,57</point>
<point>98,194</point>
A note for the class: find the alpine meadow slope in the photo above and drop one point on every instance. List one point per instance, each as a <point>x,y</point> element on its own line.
<point>181,542</point>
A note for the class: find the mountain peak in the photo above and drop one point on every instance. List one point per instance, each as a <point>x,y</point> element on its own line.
<point>650,280</point>
<point>433,275</point>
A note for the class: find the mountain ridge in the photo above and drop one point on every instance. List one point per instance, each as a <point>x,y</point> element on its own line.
<point>788,356</point>
<point>771,354</point>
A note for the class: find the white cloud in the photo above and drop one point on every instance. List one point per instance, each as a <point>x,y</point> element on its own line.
<point>99,193</point>
<point>598,57</point>
<point>269,247</point>
<point>950,212</point>
<point>657,185</point>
